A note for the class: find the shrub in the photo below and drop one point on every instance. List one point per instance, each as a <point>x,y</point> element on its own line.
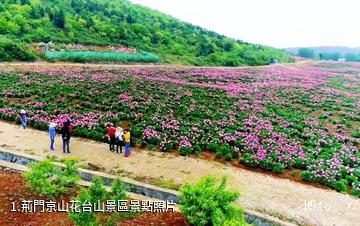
<point>208,204</point>
<point>225,148</point>
<point>274,157</point>
<point>228,157</point>
<point>143,143</point>
<point>212,147</point>
<point>240,144</point>
<point>11,50</point>
<point>248,160</point>
<point>278,168</point>
<point>47,179</point>
<point>70,173</point>
<point>356,134</point>
<point>266,164</point>
<point>235,154</point>
<point>154,141</point>
<point>351,179</point>
<point>119,190</point>
<point>81,217</point>
<point>197,149</point>
<point>137,131</point>
<point>340,186</point>
<point>96,192</point>
<point>308,176</point>
<point>357,172</point>
<point>356,191</point>
<point>218,154</point>
<point>300,163</point>
<point>168,146</point>
<point>185,151</point>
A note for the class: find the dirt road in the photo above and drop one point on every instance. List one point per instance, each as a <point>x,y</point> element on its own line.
<point>283,198</point>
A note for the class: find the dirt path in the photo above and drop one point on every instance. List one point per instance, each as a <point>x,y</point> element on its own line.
<point>274,196</point>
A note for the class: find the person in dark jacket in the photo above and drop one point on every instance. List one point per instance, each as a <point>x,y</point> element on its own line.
<point>66,133</point>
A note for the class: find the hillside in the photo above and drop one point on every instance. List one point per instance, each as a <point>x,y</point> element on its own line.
<point>119,22</point>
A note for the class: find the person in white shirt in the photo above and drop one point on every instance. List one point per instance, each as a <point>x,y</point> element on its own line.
<point>119,140</point>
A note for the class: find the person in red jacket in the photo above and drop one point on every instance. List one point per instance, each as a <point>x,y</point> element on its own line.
<point>71,127</point>
<point>111,135</point>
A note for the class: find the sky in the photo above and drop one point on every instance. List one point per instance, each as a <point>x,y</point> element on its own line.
<point>277,23</point>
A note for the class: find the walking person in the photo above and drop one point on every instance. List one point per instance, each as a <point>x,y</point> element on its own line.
<point>127,138</point>
<point>111,135</point>
<point>52,134</point>
<point>23,118</point>
<point>119,139</point>
<point>65,131</point>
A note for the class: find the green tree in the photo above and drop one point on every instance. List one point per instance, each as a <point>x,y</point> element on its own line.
<point>206,48</point>
<point>228,46</point>
<point>92,195</point>
<point>306,52</point>
<point>59,18</point>
<point>351,57</point>
<point>207,203</point>
<point>47,179</point>
<point>97,190</point>
<point>335,55</point>
<point>83,217</point>
<point>119,190</point>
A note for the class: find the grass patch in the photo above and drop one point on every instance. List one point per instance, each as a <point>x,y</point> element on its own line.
<point>170,184</point>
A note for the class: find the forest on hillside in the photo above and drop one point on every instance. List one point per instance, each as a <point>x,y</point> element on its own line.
<point>108,22</point>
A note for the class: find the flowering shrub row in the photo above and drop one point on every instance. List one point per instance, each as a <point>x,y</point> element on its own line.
<point>275,118</point>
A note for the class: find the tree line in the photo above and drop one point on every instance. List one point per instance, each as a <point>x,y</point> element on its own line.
<point>310,53</point>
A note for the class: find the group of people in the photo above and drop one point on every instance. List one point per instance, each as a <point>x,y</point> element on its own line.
<point>66,132</point>
<point>118,137</point>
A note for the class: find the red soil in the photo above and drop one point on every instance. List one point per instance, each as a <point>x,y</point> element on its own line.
<point>13,189</point>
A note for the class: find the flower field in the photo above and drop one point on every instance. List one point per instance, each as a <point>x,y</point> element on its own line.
<point>275,118</point>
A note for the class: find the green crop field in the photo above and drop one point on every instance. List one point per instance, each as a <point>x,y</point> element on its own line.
<point>94,56</point>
